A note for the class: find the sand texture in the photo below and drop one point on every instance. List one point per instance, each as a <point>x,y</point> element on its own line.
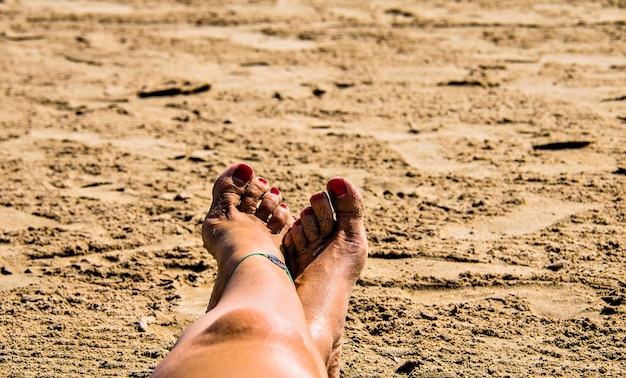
<point>488,138</point>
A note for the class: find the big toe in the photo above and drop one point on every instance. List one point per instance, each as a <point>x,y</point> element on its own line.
<point>348,205</point>
<point>229,188</point>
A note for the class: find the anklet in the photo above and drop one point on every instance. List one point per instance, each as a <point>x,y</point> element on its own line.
<point>272,258</point>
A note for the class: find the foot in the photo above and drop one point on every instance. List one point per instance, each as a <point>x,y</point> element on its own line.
<point>326,250</point>
<point>247,215</point>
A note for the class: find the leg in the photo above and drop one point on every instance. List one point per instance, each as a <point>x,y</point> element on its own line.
<point>255,325</point>
<point>327,253</point>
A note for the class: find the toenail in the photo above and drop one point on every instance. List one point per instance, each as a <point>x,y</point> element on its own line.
<point>338,187</point>
<point>263,181</point>
<point>308,211</point>
<point>283,205</point>
<point>317,196</point>
<point>275,191</point>
<point>243,173</point>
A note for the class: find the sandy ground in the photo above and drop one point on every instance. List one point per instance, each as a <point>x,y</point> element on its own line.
<point>488,138</point>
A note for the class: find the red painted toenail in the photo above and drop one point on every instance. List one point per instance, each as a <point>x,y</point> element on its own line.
<point>317,196</point>
<point>275,191</point>
<point>308,211</point>
<point>243,173</point>
<point>297,222</point>
<point>263,181</point>
<point>337,187</point>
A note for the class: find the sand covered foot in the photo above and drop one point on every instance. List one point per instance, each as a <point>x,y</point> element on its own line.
<point>241,203</point>
<point>326,250</point>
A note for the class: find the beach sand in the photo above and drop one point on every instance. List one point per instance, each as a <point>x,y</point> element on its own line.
<point>488,138</point>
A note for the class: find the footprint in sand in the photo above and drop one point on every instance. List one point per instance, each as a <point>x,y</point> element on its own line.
<point>536,214</point>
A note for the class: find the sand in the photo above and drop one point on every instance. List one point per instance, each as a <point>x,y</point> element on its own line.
<point>488,138</point>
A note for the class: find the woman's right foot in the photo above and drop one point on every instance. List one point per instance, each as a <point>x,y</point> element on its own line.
<point>326,251</point>
<point>246,216</point>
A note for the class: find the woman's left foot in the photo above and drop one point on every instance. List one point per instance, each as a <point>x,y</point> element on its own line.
<point>326,250</point>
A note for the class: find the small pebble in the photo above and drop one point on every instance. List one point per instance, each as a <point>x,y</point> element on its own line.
<point>182,196</point>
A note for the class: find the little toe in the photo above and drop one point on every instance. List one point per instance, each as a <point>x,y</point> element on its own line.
<point>323,212</point>
<point>280,219</point>
<point>288,250</point>
<point>288,245</point>
<point>229,187</point>
<point>270,201</point>
<point>250,198</point>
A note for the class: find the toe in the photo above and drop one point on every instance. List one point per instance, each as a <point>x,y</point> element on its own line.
<point>309,224</point>
<point>270,201</point>
<point>348,205</point>
<point>280,218</point>
<point>288,245</point>
<point>229,187</point>
<point>297,236</point>
<point>289,250</point>
<point>292,219</point>
<point>323,213</point>
<point>250,198</point>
